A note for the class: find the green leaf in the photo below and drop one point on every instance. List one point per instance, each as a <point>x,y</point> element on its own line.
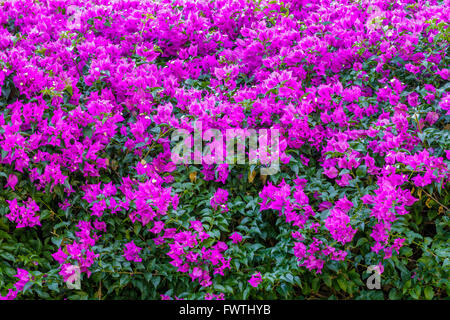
<point>361,171</point>
<point>342,283</point>
<point>8,256</point>
<point>394,294</point>
<point>315,284</point>
<point>429,293</point>
<point>327,279</point>
<point>415,293</point>
<point>246,293</point>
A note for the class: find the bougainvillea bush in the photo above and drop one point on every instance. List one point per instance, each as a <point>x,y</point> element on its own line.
<point>91,92</point>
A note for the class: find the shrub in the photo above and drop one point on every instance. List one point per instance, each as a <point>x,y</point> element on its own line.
<point>91,94</point>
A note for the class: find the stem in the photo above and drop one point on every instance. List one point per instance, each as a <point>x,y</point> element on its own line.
<point>434,199</point>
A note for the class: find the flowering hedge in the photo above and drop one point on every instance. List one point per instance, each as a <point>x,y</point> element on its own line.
<point>91,92</point>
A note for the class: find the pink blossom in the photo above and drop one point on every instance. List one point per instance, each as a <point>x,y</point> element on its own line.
<point>131,252</point>
<point>12,181</point>
<point>236,237</point>
<point>255,280</point>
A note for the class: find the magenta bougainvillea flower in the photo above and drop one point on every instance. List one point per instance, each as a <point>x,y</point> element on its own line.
<point>236,237</point>
<point>131,252</point>
<point>255,280</point>
<point>24,277</point>
<point>60,256</point>
<point>93,93</point>
<point>12,181</point>
<point>25,215</point>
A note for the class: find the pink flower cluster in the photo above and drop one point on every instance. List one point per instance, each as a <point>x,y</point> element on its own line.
<point>85,93</point>
<point>131,252</point>
<point>220,199</point>
<point>79,252</point>
<point>24,278</point>
<point>338,221</point>
<point>255,280</point>
<point>189,256</point>
<point>23,216</point>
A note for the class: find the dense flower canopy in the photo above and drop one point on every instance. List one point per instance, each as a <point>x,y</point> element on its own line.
<point>91,92</point>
